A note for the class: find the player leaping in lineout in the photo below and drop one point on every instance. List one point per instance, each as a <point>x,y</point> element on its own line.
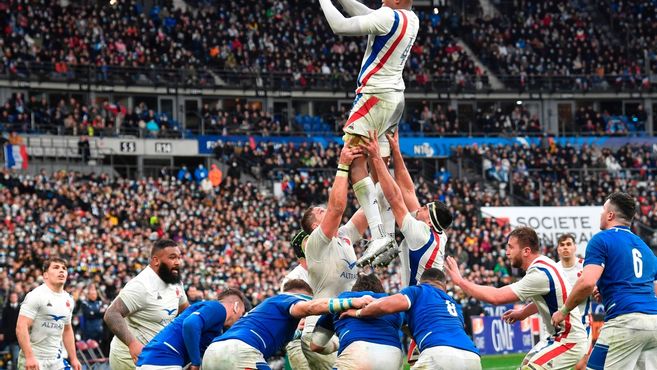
<point>379,102</point>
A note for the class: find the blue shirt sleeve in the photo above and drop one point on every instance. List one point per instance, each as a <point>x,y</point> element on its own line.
<point>210,315</point>
<point>596,251</point>
<point>326,322</point>
<point>411,293</point>
<point>289,300</point>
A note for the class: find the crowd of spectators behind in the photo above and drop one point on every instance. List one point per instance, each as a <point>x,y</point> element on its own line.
<point>556,175</point>
<point>524,40</point>
<point>74,117</point>
<point>235,233</point>
<point>245,36</point>
<point>71,116</point>
<point>563,38</point>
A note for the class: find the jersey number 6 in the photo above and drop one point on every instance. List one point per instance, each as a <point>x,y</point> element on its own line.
<point>638,262</point>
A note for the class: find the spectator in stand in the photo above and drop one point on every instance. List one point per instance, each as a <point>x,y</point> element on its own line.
<point>8,334</point>
<point>92,309</point>
<point>84,149</point>
<point>215,175</point>
<point>201,173</point>
<point>184,174</point>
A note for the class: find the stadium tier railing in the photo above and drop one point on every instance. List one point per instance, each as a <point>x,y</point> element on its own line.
<point>193,78</point>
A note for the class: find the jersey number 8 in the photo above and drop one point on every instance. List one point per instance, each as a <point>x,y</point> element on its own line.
<point>451,308</point>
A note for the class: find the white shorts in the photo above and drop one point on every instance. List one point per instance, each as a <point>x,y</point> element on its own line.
<point>626,342</point>
<point>156,367</point>
<point>555,355</point>
<point>316,361</point>
<point>369,356</point>
<point>119,358</point>
<point>233,354</point>
<point>57,364</point>
<point>447,358</point>
<point>295,355</point>
<point>379,112</point>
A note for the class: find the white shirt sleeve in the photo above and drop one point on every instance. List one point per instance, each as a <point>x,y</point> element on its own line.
<point>355,7</point>
<point>316,245</point>
<point>30,306</point>
<point>133,295</point>
<point>416,232</point>
<point>350,231</point>
<point>70,315</point>
<point>183,297</point>
<point>378,22</point>
<point>534,283</point>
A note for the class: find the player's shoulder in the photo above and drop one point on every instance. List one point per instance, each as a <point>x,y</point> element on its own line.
<point>317,236</point>
<point>600,239</point>
<point>413,289</point>
<point>410,221</point>
<point>37,294</point>
<point>409,14</point>
<point>212,304</point>
<point>543,261</point>
<point>144,276</point>
<point>41,289</point>
<point>299,272</point>
<point>287,296</point>
<point>384,11</point>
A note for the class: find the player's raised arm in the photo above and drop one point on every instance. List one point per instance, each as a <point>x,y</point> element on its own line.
<point>338,197</point>
<point>359,221</point>
<point>362,25</point>
<point>388,185</point>
<point>355,7</point>
<point>402,176</point>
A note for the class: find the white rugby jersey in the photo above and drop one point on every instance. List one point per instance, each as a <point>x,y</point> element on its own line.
<point>152,303</point>
<point>421,249</point>
<point>572,274</point>
<point>298,272</point>
<point>391,34</point>
<point>50,311</point>
<point>331,264</point>
<point>546,285</point>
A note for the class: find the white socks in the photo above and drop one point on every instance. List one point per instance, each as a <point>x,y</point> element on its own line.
<point>385,211</point>
<point>366,195</point>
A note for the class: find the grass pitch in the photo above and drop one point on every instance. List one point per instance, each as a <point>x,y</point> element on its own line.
<point>497,362</point>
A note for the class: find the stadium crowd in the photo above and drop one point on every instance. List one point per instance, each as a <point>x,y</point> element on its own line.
<point>237,37</point>
<point>634,22</point>
<point>74,117</point>
<point>554,38</point>
<point>559,38</point>
<point>555,175</point>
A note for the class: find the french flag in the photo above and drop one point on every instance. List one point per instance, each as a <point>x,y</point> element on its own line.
<point>16,157</point>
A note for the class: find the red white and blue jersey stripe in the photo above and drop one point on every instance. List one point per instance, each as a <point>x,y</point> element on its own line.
<point>422,248</point>
<point>572,274</point>
<point>546,285</point>
<point>392,34</point>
